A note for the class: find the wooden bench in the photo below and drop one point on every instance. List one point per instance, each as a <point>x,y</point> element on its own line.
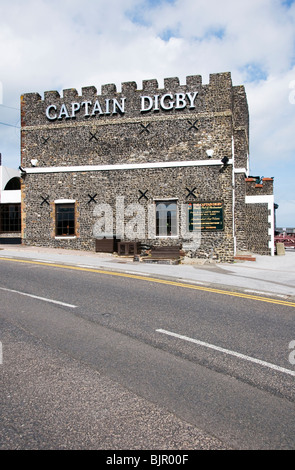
<point>166,252</point>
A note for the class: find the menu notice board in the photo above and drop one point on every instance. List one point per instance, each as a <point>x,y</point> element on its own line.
<point>205,216</point>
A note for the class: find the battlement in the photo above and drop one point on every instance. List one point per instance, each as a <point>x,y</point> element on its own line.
<point>256,186</point>
<point>218,80</point>
<point>173,98</point>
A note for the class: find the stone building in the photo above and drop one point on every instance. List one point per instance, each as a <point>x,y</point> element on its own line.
<point>157,166</point>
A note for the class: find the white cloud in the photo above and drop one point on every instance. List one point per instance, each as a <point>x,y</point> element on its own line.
<point>50,44</point>
<point>272,117</point>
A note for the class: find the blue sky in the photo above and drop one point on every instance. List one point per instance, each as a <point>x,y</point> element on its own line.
<point>53,45</point>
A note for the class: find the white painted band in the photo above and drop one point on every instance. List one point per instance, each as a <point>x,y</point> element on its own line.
<point>126,166</point>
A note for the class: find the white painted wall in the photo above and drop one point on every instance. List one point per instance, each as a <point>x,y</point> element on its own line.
<point>6,197</point>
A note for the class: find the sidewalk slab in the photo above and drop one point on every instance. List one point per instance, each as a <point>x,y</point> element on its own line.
<point>272,275</point>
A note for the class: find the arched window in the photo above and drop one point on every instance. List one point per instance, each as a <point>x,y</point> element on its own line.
<point>13,184</point>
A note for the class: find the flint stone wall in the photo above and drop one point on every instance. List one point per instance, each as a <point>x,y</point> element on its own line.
<point>258,238</point>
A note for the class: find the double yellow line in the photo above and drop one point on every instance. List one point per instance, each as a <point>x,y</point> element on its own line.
<point>156,280</point>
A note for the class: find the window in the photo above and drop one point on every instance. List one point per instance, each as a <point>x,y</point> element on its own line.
<point>10,218</point>
<point>65,220</point>
<point>13,184</point>
<point>166,219</point>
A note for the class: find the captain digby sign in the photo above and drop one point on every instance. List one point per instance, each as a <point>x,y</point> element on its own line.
<point>114,106</point>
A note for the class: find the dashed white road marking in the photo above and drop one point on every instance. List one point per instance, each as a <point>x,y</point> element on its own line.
<point>227,351</point>
<point>39,298</point>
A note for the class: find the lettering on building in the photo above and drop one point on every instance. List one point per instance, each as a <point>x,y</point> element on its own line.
<point>113,106</point>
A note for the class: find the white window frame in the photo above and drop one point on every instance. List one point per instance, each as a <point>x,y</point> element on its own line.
<point>172,200</point>
<point>59,202</point>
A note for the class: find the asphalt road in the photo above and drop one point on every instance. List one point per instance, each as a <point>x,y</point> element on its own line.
<point>91,361</point>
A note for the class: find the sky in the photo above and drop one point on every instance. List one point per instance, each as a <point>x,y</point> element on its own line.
<point>59,44</point>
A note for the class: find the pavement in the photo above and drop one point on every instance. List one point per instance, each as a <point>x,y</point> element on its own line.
<point>268,275</point>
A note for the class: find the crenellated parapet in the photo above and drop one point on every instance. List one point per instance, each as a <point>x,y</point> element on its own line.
<point>256,186</point>
<point>149,100</point>
<point>150,85</point>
